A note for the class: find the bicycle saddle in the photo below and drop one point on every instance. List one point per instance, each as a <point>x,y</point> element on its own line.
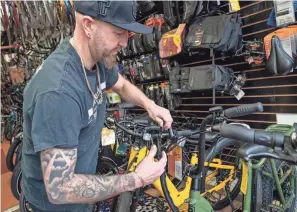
<point>279,62</point>
<point>254,151</point>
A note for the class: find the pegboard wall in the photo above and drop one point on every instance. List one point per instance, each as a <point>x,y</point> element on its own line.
<point>277,93</point>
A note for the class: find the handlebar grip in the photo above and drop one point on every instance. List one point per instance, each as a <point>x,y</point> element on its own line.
<point>270,139</point>
<point>140,121</point>
<point>260,137</point>
<point>235,132</point>
<point>243,110</point>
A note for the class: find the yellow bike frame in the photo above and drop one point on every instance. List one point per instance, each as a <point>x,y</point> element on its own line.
<point>179,197</point>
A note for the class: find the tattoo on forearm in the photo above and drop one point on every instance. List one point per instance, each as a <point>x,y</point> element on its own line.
<point>64,186</point>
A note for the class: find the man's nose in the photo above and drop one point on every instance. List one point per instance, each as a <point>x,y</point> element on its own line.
<point>124,40</point>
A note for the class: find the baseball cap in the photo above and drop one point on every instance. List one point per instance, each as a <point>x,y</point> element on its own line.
<point>119,13</point>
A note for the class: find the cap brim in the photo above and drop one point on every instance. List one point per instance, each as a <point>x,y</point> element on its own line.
<point>135,27</point>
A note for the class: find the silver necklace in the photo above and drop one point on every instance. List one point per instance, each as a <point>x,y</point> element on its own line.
<point>97,97</point>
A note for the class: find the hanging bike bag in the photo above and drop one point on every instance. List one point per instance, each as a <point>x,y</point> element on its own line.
<point>208,76</point>
<point>171,42</point>
<point>220,33</point>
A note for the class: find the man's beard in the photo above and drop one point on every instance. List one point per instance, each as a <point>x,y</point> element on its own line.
<point>106,57</point>
<point>109,61</point>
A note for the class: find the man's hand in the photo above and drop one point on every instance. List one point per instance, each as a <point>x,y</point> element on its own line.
<point>160,115</point>
<point>132,94</point>
<point>148,169</point>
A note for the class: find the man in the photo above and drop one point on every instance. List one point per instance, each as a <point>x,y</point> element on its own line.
<point>64,109</point>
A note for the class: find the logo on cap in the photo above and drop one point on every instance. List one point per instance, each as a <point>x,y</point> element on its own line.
<point>103,5</point>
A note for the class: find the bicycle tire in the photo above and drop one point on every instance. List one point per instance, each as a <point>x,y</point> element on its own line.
<point>10,163</point>
<point>19,153</point>
<point>124,202</point>
<point>16,180</point>
<point>211,153</point>
<point>268,188</point>
<point>107,163</point>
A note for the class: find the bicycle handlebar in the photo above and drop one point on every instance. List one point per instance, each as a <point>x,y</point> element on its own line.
<point>260,137</point>
<point>243,110</point>
<point>170,132</point>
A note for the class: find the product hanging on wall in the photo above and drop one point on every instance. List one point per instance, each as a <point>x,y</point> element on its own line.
<point>207,77</point>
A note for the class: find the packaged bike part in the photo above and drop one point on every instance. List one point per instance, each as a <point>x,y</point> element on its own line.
<point>126,52</point>
<point>140,69</point>
<point>171,43</point>
<point>236,89</point>
<point>135,69</point>
<point>126,67</point>
<point>151,92</point>
<point>162,91</point>
<point>175,74</point>
<point>148,66</point>
<point>137,46</point>
<point>284,12</point>
<point>149,41</point>
<point>253,52</point>
<point>175,163</point>
<point>168,97</point>
<point>166,67</point>
<point>113,98</point>
<point>221,33</point>
<point>157,68</point>
<point>157,91</point>
<point>107,136</point>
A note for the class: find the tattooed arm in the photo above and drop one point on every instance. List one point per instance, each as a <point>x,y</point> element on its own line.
<point>63,186</point>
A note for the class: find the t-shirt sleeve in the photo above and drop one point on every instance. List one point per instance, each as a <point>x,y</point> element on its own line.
<point>56,121</point>
<point>112,77</point>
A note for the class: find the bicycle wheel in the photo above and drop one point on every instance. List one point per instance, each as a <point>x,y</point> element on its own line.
<point>270,197</point>
<point>106,166</point>
<point>124,202</point>
<point>13,149</point>
<point>224,151</point>
<point>16,181</point>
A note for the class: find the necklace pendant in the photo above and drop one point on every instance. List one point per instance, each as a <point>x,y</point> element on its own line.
<point>98,98</point>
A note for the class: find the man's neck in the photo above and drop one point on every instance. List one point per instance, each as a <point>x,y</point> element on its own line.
<point>84,53</point>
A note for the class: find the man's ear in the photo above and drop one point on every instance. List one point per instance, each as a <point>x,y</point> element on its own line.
<point>88,25</point>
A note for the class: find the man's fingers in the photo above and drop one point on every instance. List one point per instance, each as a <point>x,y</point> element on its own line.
<point>152,152</point>
<point>163,160</point>
<point>160,121</point>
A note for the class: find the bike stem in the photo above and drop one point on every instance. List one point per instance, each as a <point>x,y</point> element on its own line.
<point>196,182</point>
<point>196,201</point>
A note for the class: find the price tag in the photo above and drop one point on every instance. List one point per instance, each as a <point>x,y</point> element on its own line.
<point>234,5</point>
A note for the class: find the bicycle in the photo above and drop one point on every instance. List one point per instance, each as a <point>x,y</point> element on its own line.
<point>128,200</point>
<point>14,153</point>
<point>269,179</point>
<point>284,148</point>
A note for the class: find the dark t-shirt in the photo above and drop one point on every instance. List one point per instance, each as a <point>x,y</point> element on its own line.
<point>59,111</point>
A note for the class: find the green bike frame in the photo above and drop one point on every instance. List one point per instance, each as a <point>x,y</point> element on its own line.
<point>288,130</point>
